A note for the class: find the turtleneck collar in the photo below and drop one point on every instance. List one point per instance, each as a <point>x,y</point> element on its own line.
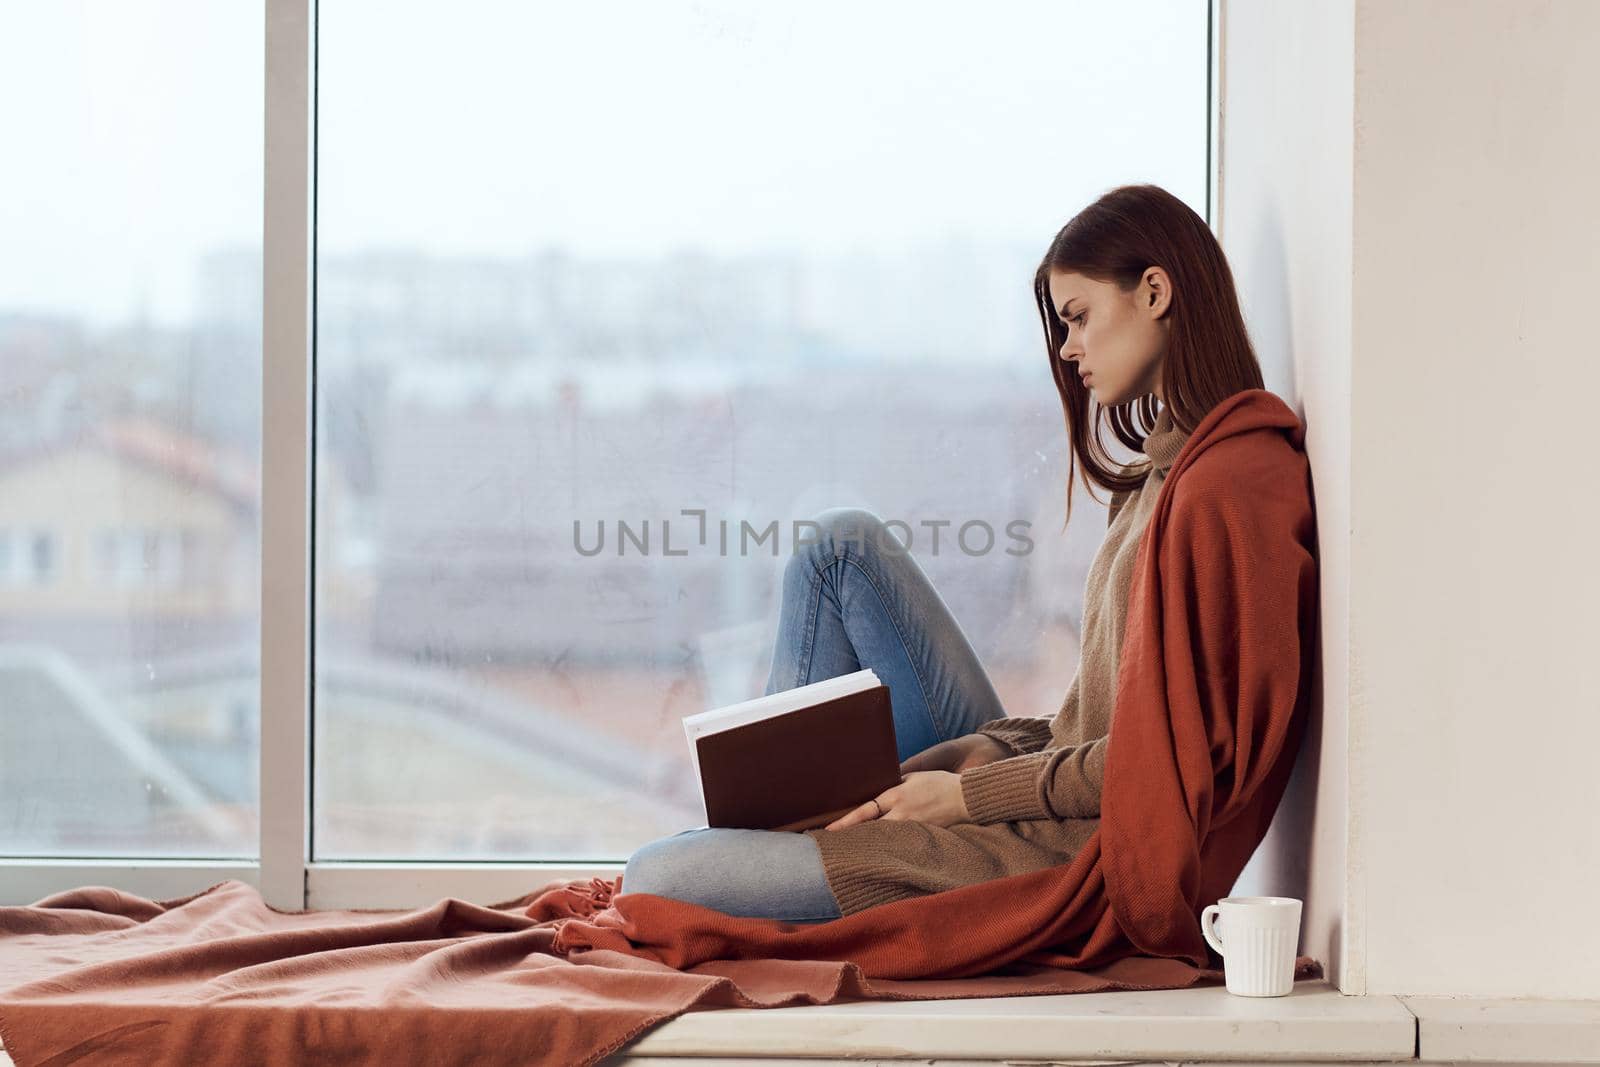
<point>1164,441</point>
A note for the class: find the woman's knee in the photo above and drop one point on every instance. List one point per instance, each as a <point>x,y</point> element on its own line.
<point>662,866</point>
<point>861,529</point>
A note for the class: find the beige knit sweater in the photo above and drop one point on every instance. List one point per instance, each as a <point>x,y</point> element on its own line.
<point>1040,805</point>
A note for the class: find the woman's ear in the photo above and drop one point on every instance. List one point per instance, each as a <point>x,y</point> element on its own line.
<point>1155,291</point>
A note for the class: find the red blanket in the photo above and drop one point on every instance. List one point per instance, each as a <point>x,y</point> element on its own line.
<point>1211,704</point>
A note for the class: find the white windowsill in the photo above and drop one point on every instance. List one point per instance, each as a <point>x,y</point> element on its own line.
<point>1313,1024</point>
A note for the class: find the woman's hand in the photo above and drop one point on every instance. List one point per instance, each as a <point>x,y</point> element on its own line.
<point>956,754</point>
<point>923,796</point>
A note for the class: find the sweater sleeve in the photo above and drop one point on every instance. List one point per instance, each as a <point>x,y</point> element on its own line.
<point>1019,733</point>
<point>1059,783</point>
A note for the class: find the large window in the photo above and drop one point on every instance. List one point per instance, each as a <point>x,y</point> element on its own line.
<point>130,215</point>
<point>602,303</point>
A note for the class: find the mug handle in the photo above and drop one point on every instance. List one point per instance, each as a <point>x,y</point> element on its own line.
<point>1208,924</point>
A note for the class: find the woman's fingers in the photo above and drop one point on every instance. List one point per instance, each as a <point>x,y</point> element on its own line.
<point>863,812</point>
<point>859,814</point>
<point>934,758</point>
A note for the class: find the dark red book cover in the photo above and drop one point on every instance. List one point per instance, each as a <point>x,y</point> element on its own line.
<point>803,768</point>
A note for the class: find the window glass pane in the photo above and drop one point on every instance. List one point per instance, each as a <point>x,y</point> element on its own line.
<point>611,263</point>
<point>129,426</point>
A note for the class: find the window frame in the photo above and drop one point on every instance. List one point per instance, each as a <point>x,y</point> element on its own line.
<point>285,872</point>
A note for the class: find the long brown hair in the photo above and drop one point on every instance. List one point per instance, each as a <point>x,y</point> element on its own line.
<point>1208,358</point>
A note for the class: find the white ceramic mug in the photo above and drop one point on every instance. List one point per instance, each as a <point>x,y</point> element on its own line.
<point>1257,942</point>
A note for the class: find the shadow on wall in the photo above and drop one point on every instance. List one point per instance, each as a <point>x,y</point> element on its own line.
<point>1282,865</point>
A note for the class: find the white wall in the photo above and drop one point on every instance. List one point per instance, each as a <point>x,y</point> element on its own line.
<point>1409,203</point>
<point>1283,214</point>
<point>1476,719</point>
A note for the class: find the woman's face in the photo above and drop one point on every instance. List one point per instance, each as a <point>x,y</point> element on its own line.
<point>1117,339</point>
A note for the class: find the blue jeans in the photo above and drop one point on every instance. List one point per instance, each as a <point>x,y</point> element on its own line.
<point>853,599</point>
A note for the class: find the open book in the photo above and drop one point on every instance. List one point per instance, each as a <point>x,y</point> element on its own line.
<point>796,759</point>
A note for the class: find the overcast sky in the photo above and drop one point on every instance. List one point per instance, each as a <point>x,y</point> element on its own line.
<point>133,129</point>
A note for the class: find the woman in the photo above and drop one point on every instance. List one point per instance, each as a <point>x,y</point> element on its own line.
<point>1139,310</point>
